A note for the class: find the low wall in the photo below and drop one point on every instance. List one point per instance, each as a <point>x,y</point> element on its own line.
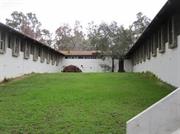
<point>161,118</point>
<point>11,67</point>
<point>91,65</point>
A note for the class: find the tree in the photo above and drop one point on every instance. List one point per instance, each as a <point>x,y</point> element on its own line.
<point>123,39</point>
<point>78,36</point>
<point>46,37</point>
<point>140,24</point>
<point>29,25</point>
<point>63,38</point>
<point>108,39</point>
<point>92,35</point>
<point>99,37</point>
<point>67,38</point>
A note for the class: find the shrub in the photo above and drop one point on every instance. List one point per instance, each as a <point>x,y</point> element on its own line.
<point>71,68</point>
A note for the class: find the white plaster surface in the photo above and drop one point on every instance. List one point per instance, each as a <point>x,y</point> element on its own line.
<point>128,65</point>
<point>166,66</point>
<point>11,67</point>
<point>161,118</point>
<point>90,65</point>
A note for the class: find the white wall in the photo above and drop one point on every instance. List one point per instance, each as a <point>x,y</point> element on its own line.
<point>166,66</point>
<point>11,67</point>
<point>90,65</point>
<point>16,66</point>
<point>161,118</point>
<point>128,65</point>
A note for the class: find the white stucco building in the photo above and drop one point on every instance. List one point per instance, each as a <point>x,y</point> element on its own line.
<point>157,50</point>
<point>20,54</point>
<point>88,61</point>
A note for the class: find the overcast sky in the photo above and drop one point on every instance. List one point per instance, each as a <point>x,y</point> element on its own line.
<point>53,13</point>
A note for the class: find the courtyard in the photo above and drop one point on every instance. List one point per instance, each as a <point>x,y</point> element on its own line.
<point>76,103</point>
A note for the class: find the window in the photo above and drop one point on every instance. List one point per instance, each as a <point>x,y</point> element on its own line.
<point>139,56</point>
<point>45,54</point>
<point>161,39</point>
<point>10,41</point>
<point>42,56</point>
<point>48,57</point>
<point>148,49</point>
<point>136,57</point>
<point>39,51</point>
<point>32,49</point>
<point>16,47</point>
<point>144,52</point>
<point>2,43</point>
<point>133,58</point>
<point>53,59</point>
<point>165,32</point>
<point>154,41</point>
<point>171,33</point>
<point>35,53</point>
<point>158,38</point>
<point>26,50</point>
<point>22,46</point>
<point>57,59</point>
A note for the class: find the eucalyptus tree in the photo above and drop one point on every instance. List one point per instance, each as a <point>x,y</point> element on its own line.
<point>140,24</point>
<point>63,37</point>
<point>30,25</point>
<point>112,40</point>
<point>70,38</point>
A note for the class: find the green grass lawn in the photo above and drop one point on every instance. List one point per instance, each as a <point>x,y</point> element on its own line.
<point>69,103</point>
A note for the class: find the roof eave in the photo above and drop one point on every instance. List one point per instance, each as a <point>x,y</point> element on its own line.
<point>28,37</point>
<point>165,10</point>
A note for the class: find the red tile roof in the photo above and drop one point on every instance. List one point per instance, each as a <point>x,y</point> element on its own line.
<point>79,53</point>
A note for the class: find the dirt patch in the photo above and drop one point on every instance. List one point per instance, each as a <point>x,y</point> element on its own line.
<point>7,80</point>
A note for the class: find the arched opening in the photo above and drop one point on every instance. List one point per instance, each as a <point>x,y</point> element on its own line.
<point>72,68</point>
